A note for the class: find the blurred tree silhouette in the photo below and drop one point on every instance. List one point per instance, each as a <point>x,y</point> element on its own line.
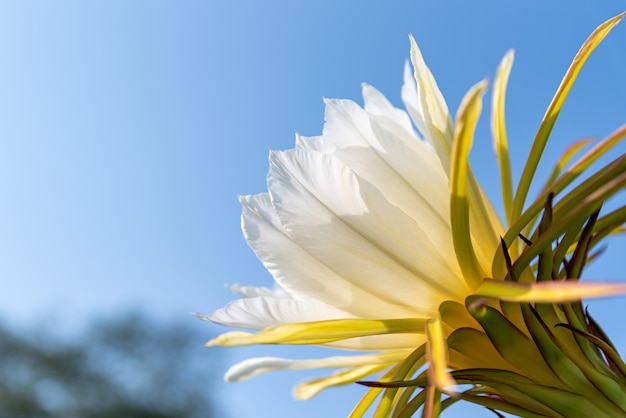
<point>128,367</point>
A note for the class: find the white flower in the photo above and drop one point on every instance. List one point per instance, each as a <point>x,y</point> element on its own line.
<point>381,242</point>
<point>356,226</point>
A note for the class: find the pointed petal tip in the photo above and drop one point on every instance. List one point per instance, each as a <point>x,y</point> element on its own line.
<point>253,367</point>
<point>482,85</point>
<point>450,386</point>
<point>328,101</point>
<point>303,392</point>
<point>214,342</point>
<point>507,60</point>
<point>201,316</point>
<point>231,339</point>
<point>415,49</point>
<point>437,354</point>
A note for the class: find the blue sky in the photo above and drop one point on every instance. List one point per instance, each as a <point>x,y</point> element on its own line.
<point>128,129</point>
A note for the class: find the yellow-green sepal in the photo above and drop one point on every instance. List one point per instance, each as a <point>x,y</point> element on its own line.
<point>512,344</point>
<point>320,332</point>
<point>568,371</point>
<point>467,118</point>
<point>554,109</point>
<point>561,401</point>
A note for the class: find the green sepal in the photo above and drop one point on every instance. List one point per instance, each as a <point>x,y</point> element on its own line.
<point>575,208</point>
<point>553,111</point>
<point>412,406</point>
<point>404,408</point>
<point>495,404</point>
<point>562,402</point>
<point>456,316</point>
<point>571,369</point>
<point>596,329</point>
<point>545,264</point>
<point>612,356</point>
<point>460,196</point>
<point>577,241</point>
<point>366,401</point>
<point>608,224</point>
<point>583,244</point>
<point>512,344</point>
<point>514,314</point>
<point>588,187</point>
<point>477,348</point>
<point>576,323</point>
<point>432,403</point>
<point>406,396</point>
<point>605,383</point>
<point>406,368</point>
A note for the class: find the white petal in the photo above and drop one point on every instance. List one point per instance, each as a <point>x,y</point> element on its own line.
<point>376,104</point>
<point>385,154</point>
<point>251,291</point>
<point>436,119</point>
<point>255,366</point>
<point>314,143</point>
<point>298,272</point>
<point>346,223</point>
<point>411,99</point>
<point>413,161</point>
<point>259,312</point>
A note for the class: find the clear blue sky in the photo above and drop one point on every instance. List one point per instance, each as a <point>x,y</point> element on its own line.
<point>128,129</point>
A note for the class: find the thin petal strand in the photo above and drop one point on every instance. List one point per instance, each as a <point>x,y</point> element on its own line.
<point>321,332</point>
<point>311,388</point>
<point>548,292</point>
<point>256,366</point>
<point>437,355</point>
